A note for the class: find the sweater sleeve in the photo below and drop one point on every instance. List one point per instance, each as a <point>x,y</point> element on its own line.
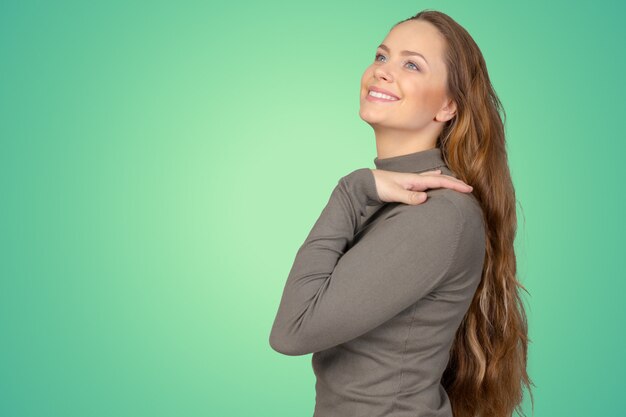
<point>333,295</point>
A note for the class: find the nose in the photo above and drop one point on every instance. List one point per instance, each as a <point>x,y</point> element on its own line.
<point>381,73</point>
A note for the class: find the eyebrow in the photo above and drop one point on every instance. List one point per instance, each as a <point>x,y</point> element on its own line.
<point>383,46</point>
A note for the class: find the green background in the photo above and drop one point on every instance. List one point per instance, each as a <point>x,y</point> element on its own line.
<point>162,162</point>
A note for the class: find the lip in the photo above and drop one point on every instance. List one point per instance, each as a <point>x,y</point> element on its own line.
<point>380,90</point>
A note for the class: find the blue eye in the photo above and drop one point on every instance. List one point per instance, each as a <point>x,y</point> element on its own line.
<point>408,62</point>
<point>416,67</point>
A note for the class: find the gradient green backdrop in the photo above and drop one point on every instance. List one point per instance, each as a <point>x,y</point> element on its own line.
<point>162,162</point>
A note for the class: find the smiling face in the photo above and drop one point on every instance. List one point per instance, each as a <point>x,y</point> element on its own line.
<point>418,82</point>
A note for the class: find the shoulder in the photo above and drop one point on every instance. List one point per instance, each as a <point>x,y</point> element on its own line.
<point>452,224</point>
<point>471,237</point>
<point>448,216</point>
<point>443,205</point>
<point>466,204</point>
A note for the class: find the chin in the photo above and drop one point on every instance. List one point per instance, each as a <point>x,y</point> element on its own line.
<point>369,118</point>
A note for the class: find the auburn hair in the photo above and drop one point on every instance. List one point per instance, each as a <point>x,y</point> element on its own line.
<point>487,368</point>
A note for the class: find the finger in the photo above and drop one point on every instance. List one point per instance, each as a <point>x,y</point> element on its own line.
<point>445,182</point>
<point>450,178</point>
<point>434,171</point>
<point>454,183</point>
<point>439,175</point>
<point>414,197</point>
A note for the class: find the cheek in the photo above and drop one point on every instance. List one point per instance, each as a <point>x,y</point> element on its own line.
<point>421,98</point>
<point>414,96</point>
<point>367,75</point>
<point>366,79</point>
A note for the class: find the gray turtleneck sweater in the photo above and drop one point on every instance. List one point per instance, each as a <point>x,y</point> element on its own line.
<point>377,292</point>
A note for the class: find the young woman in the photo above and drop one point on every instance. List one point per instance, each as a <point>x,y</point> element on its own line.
<point>405,289</point>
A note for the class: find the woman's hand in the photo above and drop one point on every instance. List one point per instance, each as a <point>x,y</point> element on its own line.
<point>409,187</point>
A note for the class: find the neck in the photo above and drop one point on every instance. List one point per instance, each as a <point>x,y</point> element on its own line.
<point>393,142</point>
<point>419,161</point>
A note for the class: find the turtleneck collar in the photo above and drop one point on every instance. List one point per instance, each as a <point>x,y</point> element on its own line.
<point>413,162</point>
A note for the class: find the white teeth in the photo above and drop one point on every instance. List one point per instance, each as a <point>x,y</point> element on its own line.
<point>381,95</point>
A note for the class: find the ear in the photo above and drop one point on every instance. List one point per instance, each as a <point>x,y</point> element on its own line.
<point>448,111</point>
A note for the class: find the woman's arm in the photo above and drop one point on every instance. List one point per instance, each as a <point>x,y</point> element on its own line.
<point>331,297</point>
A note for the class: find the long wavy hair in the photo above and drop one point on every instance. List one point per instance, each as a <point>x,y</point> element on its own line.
<point>487,366</point>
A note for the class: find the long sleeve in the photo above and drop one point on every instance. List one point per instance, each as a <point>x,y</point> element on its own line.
<point>333,295</point>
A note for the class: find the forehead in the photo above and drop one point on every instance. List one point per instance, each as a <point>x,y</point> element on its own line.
<point>419,36</point>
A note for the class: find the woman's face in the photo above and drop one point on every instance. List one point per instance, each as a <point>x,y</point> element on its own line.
<point>419,83</point>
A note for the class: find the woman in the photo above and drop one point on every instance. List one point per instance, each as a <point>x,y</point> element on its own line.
<point>405,289</point>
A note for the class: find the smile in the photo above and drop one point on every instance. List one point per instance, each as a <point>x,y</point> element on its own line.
<point>376,96</point>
